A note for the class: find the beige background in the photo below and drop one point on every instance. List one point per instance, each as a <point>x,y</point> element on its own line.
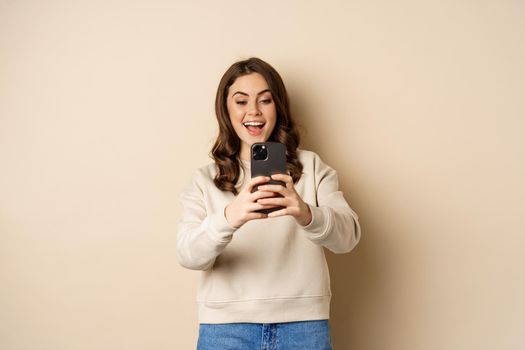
<point>106,107</point>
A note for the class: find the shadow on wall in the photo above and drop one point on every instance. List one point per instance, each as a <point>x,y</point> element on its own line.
<point>359,296</point>
<point>357,278</point>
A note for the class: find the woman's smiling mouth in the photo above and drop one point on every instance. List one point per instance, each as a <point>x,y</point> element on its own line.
<point>254,128</point>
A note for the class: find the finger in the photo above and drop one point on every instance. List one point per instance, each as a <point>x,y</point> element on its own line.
<point>276,213</point>
<point>278,202</point>
<point>283,177</point>
<point>272,188</point>
<point>260,194</point>
<point>256,181</point>
<point>258,206</point>
<point>254,216</point>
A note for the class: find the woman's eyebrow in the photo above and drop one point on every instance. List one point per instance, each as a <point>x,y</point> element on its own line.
<point>245,94</point>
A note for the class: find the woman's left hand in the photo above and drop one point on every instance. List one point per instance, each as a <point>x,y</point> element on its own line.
<point>291,201</point>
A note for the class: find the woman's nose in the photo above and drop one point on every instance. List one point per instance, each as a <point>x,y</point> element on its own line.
<point>254,109</point>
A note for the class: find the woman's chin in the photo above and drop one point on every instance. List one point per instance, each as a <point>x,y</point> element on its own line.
<point>253,140</point>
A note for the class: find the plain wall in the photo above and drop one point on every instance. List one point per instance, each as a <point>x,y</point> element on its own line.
<point>106,107</point>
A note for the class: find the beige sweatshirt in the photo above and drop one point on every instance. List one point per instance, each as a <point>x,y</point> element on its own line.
<point>268,270</point>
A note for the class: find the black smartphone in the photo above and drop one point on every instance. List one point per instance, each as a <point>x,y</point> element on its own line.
<point>268,158</point>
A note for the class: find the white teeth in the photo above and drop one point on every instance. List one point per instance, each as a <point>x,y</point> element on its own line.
<point>253,123</point>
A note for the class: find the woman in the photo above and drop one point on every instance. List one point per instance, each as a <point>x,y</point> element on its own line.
<point>265,281</point>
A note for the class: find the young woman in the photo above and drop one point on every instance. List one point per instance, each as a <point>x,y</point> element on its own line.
<point>265,282</point>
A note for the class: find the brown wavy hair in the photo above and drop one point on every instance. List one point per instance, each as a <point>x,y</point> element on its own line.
<point>226,150</point>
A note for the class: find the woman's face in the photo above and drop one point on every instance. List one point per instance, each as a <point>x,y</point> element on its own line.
<point>252,110</point>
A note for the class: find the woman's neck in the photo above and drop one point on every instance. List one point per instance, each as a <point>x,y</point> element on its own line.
<point>245,152</point>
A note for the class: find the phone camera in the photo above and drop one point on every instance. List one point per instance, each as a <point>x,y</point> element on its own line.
<point>260,152</point>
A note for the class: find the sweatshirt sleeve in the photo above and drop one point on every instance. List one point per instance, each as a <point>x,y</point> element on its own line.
<point>201,237</point>
<point>334,224</point>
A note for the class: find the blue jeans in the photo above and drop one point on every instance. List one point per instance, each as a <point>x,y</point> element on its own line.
<point>303,335</point>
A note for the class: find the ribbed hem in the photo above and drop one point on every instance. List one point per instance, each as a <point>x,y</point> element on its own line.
<point>266,310</point>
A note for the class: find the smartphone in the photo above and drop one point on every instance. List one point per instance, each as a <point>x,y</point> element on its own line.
<point>268,158</point>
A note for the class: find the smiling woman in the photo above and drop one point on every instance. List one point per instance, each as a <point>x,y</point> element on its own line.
<point>251,91</point>
<point>265,281</point>
<point>252,110</point>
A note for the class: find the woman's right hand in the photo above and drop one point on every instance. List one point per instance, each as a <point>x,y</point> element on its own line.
<point>243,208</point>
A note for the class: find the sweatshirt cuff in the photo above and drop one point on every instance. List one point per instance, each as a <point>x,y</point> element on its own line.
<point>219,228</point>
<point>318,227</point>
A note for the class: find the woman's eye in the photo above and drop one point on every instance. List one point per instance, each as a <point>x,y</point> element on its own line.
<point>241,102</point>
<point>266,101</point>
